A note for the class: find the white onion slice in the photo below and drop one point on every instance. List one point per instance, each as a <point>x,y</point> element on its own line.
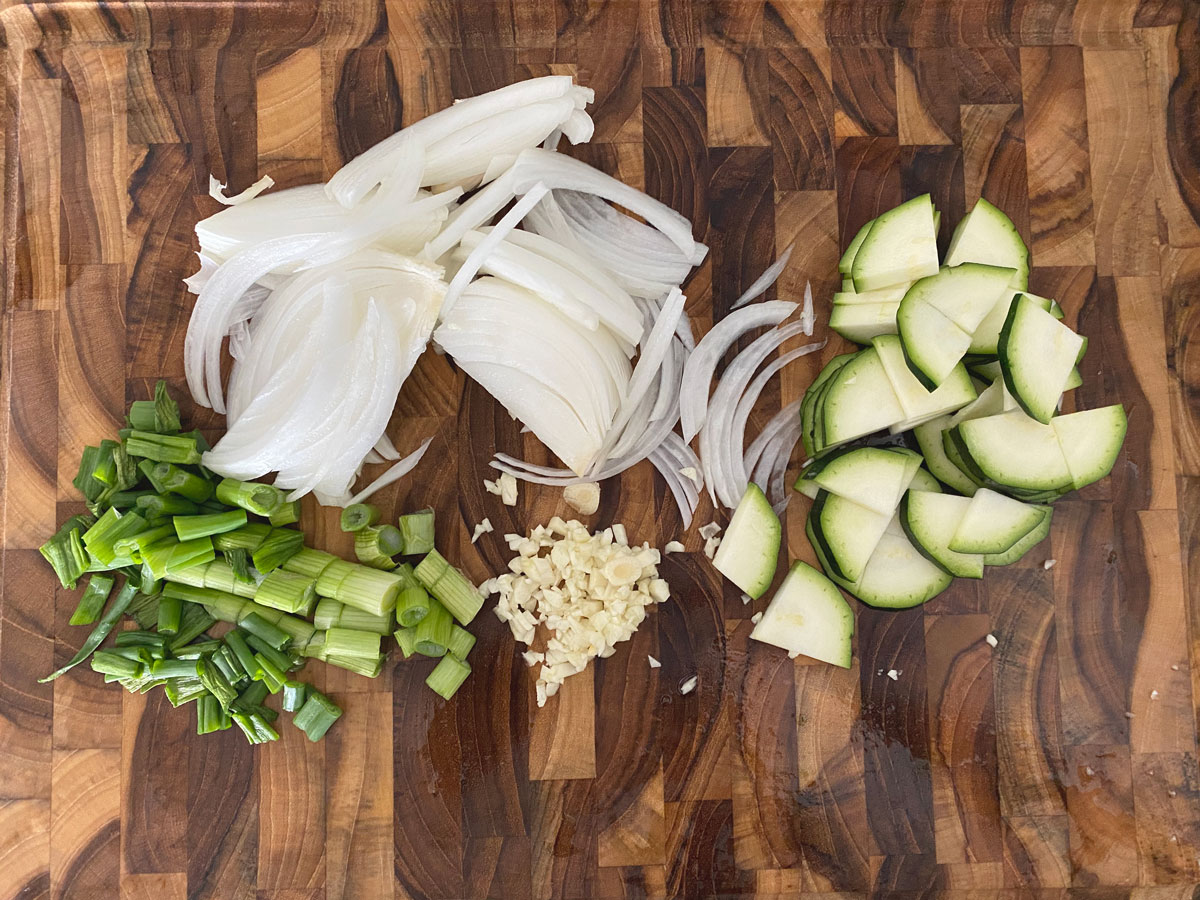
<point>678,486</point>
<point>385,449</point>
<point>777,423</point>
<point>698,372</point>
<point>395,473</point>
<point>216,190</point>
<point>770,473</point>
<point>509,221</point>
<point>769,276</point>
<point>807,317</point>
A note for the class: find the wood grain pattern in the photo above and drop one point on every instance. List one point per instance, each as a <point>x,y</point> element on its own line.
<point>1061,763</point>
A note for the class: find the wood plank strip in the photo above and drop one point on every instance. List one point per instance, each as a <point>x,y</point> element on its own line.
<point>614,72</point>
<point>222,818</point>
<point>675,158</point>
<point>1165,797</point>
<point>25,848</point>
<point>994,161</point>
<point>936,170</point>
<point>87,712</point>
<point>966,801</point>
<point>637,837</point>
<point>794,22</point>
<point>358,799</point>
<point>154,887</point>
<point>868,182</point>
<point>737,95</point>
<point>895,717</point>
<point>1060,193</point>
<point>90,366</point>
<point>1120,148</point>
<point>801,119</point>
<point>39,133</point>
<point>154,798</point>
<point>700,850</point>
<point>1036,851</point>
<point>864,86</point>
<point>498,868</point>
<point>1099,794</point>
<point>85,831</point>
<point>292,819</point>
<point>926,96</point>
<point>742,221</point>
<point>31,449</point>
<point>988,75</point>
<point>288,106</point>
<point>1180,280</point>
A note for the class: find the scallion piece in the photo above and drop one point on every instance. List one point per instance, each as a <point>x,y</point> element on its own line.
<point>186,554</point>
<point>461,642</point>
<point>249,537</point>
<point>221,575</point>
<point>316,715</point>
<point>332,576</point>
<point>105,468</point>
<point>65,551</point>
<point>170,611</point>
<point>236,641</point>
<point>272,676</point>
<point>433,632</point>
<point>239,562</point>
<point>144,610</point>
<point>141,638</point>
<point>369,589</point>
<point>101,538</point>
<point>184,690</point>
<point>447,676</point>
<point>280,659</point>
<point>126,499</point>
<point>215,681</point>
<point>348,642</point>
<point>449,586</point>
<point>286,514</point>
<point>376,545</point>
<point>255,727</point>
<point>210,716</point>
<point>170,478</point>
<point>194,622</point>
<point>175,668</point>
<point>126,472</point>
<point>173,448</point>
<point>294,695</point>
<point>143,655</point>
<point>91,604</point>
<point>280,546</point>
<point>272,634</point>
<point>309,562</point>
<point>145,538</point>
<point>109,662</point>
<point>111,616</point>
<point>251,699</point>
<point>417,531</point>
<point>331,614</point>
<point>161,505</point>
<point>366,666</point>
<point>412,604</point>
<point>84,482</point>
<point>198,649</point>
<point>224,660</point>
<point>359,516</point>
<point>166,410</point>
<point>196,576</point>
<point>141,415</point>
<point>157,556</point>
<point>287,591</point>
<point>191,527</point>
<point>260,499</point>
<point>407,639</point>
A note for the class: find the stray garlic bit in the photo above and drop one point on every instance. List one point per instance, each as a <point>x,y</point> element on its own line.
<point>756,618</point>
<point>991,639</point>
<point>484,527</point>
<point>689,685</point>
<point>583,498</point>
<point>893,674</point>
<point>654,663</point>
<point>508,489</point>
<point>1050,564</point>
<point>673,547</point>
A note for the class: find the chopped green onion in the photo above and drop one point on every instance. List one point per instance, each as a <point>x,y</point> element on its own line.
<point>191,527</point>
<point>249,537</point>
<point>286,514</point>
<point>156,557</point>
<point>127,499</point>
<point>224,660</point>
<point>141,415</point>
<point>309,562</point>
<point>221,576</point>
<point>144,610</point>
<point>450,587</point>
<point>272,676</point>
<point>163,447</point>
<point>141,638</point>
<point>376,545</point>
<point>332,576</point>
<point>407,639</point>
<point>367,667</point>
<point>348,642</point>
<point>287,591</point>
<point>416,530</point>
<point>359,516</point>
<point>294,695</point>
<point>412,604</point>
<point>280,546</point>
<point>111,616</point>
<point>272,634</point>
<point>255,727</point>
<point>198,649</point>
<point>260,499</point>
<point>143,655</point>
<point>278,658</point>
<point>331,614</point>
<point>216,682</point>
<point>316,715</point>
<point>196,576</point>
<point>170,611</point>
<point>251,699</point>
<point>101,538</point>
<point>191,553</point>
<point>91,604</point>
<point>84,481</point>
<point>461,642</point>
<point>65,552</point>
<point>184,690</point>
<point>369,589</point>
<point>242,652</point>
<point>170,478</point>
<point>195,622</point>
<point>210,716</point>
<point>239,562</point>
<point>433,632</point>
<point>144,539</point>
<point>448,675</point>
<point>175,668</point>
<point>153,505</point>
<point>109,662</point>
<point>166,410</point>
<point>105,468</point>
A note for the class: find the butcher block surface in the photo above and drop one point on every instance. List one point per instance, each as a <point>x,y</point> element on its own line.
<point>1063,758</point>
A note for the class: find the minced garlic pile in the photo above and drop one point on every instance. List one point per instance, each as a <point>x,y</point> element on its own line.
<point>589,590</point>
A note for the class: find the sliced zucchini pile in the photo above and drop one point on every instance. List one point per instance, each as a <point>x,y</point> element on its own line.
<point>959,353</point>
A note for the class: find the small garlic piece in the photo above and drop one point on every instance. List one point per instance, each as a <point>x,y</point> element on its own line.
<point>484,527</point>
<point>583,498</point>
<point>689,685</point>
<point>674,547</point>
<point>654,663</point>
<point>507,485</point>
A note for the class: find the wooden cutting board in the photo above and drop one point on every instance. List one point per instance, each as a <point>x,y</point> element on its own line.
<point>1063,757</point>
